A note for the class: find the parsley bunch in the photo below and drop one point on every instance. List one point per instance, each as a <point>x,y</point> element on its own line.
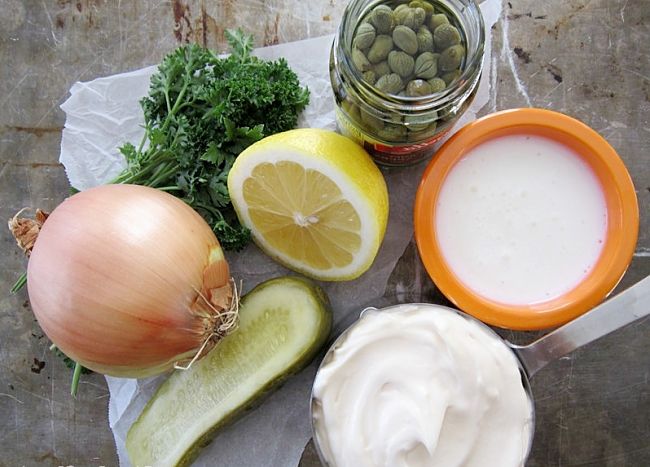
<point>200,113</point>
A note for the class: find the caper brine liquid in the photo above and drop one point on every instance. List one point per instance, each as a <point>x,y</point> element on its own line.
<point>409,49</point>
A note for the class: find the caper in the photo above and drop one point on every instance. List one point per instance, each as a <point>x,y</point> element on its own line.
<point>428,8</point>
<point>417,88</point>
<point>355,113</point>
<point>406,17</point>
<point>419,122</point>
<point>390,83</point>
<point>360,61</point>
<point>398,10</point>
<point>417,127</point>
<point>381,18</point>
<point>445,36</point>
<point>419,15</point>
<point>450,76</point>
<point>405,38</point>
<point>426,65</point>
<point>380,49</point>
<point>370,120</point>
<point>352,110</point>
<point>425,40</point>
<point>401,63</point>
<point>370,76</point>
<point>451,58</point>
<point>422,134</point>
<point>346,105</point>
<point>381,69</point>
<point>392,132</point>
<point>451,115</point>
<point>365,36</point>
<point>437,20</point>
<point>437,85</point>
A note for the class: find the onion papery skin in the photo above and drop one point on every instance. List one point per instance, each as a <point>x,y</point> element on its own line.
<point>114,279</point>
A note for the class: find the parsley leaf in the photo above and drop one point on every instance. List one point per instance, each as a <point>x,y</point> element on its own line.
<point>200,113</point>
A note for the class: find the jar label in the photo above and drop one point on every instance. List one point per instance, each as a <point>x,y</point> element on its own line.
<point>347,128</point>
<point>396,154</point>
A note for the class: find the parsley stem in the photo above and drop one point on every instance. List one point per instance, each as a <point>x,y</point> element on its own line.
<point>164,176</point>
<point>143,141</point>
<point>169,105</point>
<point>168,188</point>
<point>179,99</point>
<point>143,174</point>
<point>210,209</point>
<point>160,168</point>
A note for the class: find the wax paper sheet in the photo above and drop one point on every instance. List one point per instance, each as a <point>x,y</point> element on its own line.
<point>104,113</point>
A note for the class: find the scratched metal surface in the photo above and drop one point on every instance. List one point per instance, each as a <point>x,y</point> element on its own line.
<point>588,59</point>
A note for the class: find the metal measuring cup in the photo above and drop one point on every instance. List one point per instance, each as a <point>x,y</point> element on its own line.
<point>613,314</point>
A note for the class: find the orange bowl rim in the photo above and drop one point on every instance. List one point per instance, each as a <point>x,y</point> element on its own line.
<point>599,282</point>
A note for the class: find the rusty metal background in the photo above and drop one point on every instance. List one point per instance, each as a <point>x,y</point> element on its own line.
<point>588,59</point>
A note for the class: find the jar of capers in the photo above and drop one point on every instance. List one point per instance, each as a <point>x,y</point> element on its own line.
<point>403,72</point>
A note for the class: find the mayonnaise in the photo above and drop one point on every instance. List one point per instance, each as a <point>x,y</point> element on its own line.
<point>421,385</point>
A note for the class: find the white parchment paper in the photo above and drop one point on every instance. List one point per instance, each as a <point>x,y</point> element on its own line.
<point>104,113</point>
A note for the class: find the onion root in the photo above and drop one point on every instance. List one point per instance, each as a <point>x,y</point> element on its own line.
<point>25,230</point>
<point>223,320</point>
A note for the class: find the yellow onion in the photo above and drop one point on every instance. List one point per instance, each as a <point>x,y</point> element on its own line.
<point>129,281</point>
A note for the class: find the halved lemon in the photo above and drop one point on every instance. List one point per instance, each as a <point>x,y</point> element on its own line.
<point>314,201</point>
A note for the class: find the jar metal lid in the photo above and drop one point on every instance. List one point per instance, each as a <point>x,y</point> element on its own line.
<point>621,206</point>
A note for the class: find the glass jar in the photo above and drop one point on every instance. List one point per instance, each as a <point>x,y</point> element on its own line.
<point>397,129</point>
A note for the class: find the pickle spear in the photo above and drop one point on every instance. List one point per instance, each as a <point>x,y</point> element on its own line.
<point>283,322</point>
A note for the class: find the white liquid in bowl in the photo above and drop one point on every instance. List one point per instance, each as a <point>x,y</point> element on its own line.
<point>521,219</point>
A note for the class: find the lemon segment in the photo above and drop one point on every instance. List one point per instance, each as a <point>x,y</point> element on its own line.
<point>314,201</point>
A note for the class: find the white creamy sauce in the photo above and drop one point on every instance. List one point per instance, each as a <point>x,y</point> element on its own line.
<point>421,385</point>
<point>521,219</point>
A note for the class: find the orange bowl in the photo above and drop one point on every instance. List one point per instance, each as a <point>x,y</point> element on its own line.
<point>621,206</point>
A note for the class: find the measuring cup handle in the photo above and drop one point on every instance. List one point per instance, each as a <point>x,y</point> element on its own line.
<point>623,309</point>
